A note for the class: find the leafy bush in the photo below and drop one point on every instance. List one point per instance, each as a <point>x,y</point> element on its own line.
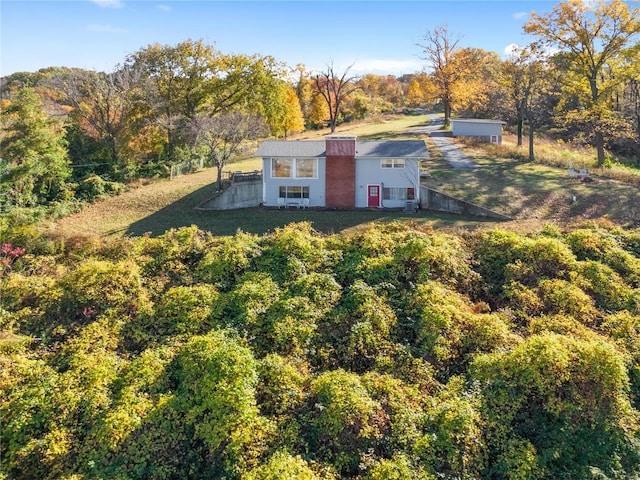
<point>292,251</point>
<point>217,377</point>
<point>224,264</point>
<point>184,310</point>
<point>173,256</point>
<point>343,419</point>
<point>97,285</point>
<point>283,465</point>
<point>283,384</point>
<point>450,330</point>
<point>561,403</point>
<point>95,187</point>
<point>608,288</point>
<point>251,297</point>
<point>388,352</point>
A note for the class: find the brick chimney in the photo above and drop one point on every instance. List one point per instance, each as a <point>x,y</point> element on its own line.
<point>340,186</point>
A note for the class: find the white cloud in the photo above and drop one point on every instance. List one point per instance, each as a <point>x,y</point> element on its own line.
<point>109,3</point>
<point>104,28</point>
<point>164,8</point>
<point>520,15</point>
<point>512,49</point>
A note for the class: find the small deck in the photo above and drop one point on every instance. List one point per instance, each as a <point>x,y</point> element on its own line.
<point>244,177</point>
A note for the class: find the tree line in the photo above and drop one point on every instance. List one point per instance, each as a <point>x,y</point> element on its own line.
<point>393,352</point>
<point>577,81</point>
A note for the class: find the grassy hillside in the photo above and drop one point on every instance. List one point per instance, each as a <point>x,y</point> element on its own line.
<point>531,193</point>
<point>264,344</point>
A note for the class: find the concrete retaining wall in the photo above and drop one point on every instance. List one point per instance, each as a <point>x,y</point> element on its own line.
<point>249,194</point>
<point>238,195</point>
<point>439,202</point>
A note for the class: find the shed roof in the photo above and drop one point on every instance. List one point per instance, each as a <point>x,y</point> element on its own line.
<point>477,120</point>
<point>364,149</point>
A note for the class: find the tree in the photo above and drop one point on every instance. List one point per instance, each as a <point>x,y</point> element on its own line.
<point>33,152</point>
<point>631,98</point>
<point>293,120</point>
<point>592,36</point>
<point>175,76</point>
<point>526,77</point>
<point>318,112</point>
<point>105,105</point>
<point>281,109</point>
<point>222,136</point>
<point>439,48</point>
<point>415,95</point>
<point>192,79</point>
<point>334,89</point>
<point>304,89</point>
<point>477,90</point>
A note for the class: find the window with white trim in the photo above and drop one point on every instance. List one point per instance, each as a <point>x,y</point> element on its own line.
<point>294,168</point>
<point>281,167</point>
<point>287,191</point>
<point>306,168</point>
<point>399,193</point>
<point>392,163</point>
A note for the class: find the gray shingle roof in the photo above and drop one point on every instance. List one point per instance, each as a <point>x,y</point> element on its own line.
<point>392,148</point>
<point>288,148</point>
<point>477,120</point>
<point>364,149</point>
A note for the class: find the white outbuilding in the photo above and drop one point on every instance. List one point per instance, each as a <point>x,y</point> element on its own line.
<point>481,129</point>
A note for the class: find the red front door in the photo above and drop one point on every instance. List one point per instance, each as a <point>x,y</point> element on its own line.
<point>373,195</point>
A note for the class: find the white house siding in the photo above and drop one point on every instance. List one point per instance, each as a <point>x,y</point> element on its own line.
<point>369,171</point>
<point>271,185</point>
<point>477,128</point>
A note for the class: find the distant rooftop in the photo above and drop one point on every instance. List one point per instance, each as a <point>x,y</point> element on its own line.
<point>364,149</point>
<point>477,120</point>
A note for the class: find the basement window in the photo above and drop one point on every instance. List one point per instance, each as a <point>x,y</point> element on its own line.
<point>294,192</point>
<point>399,193</point>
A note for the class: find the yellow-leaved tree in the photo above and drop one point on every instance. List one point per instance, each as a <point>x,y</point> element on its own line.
<point>593,36</point>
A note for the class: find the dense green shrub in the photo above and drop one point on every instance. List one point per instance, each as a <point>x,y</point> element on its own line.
<point>494,251</point>
<point>450,329</point>
<point>608,288</point>
<point>434,256</point>
<point>561,403</point>
<point>320,288</point>
<point>292,251</point>
<point>288,327</point>
<point>217,377</point>
<point>251,297</point>
<point>225,263</point>
<point>173,256</point>
<point>95,187</point>
<point>388,352</point>
<point>101,285</point>
<point>344,420</point>
<point>185,310</point>
<point>283,465</point>
<point>359,329</point>
<point>283,384</point>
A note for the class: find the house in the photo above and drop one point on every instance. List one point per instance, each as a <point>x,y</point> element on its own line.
<point>341,172</point>
<point>481,129</point>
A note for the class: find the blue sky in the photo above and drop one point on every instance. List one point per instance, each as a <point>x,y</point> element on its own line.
<point>376,36</point>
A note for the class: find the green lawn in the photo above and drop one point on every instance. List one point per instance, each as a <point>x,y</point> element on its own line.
<point>526,191</point>
<point>165,204</point>
<point>533,191</point>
